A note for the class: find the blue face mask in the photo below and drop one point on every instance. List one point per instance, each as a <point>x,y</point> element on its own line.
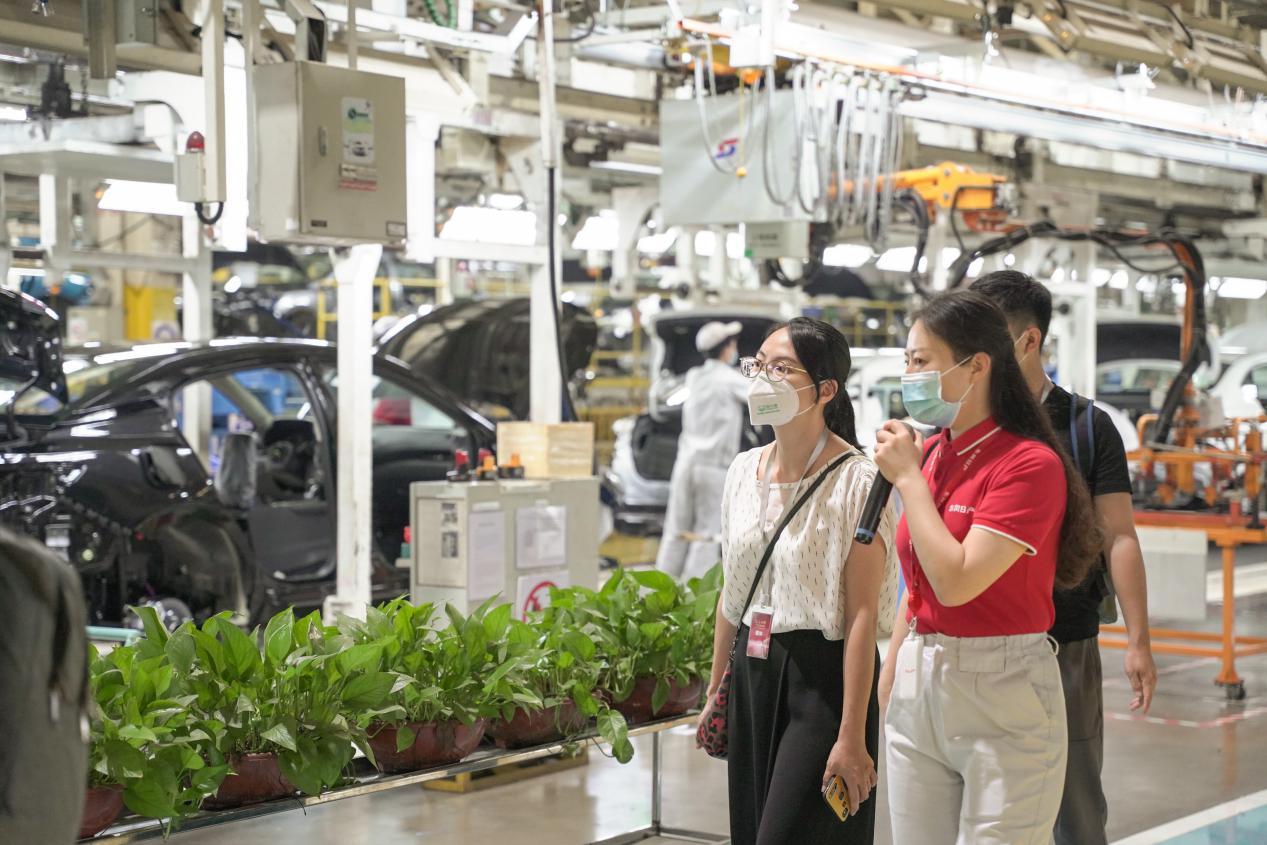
<point>921,393</point>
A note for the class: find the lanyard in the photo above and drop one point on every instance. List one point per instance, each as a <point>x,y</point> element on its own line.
<point>916,601</point>
<point>765,493</point>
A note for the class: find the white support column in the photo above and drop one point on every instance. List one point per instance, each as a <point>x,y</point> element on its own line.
<point>938,239</point>
<point>1084,332</point>
<point>355,274</point>
<point>421,133</point>
<point>213,93</point>
<point>56,211</point>
<point>196,323</point>
<point>631,206</point>
<point>717,261</point>
<point>546,381</point>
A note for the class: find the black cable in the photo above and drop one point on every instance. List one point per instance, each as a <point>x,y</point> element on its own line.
<point>1186,32</point>
<point>913,203</point>
<point>1186,256</point>
<point>576,39</point>
<point>552,247</point>
<point>208,221</point>
<point>1064,10</point>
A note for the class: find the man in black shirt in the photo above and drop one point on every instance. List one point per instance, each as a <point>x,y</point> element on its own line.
<point>1100,458</point>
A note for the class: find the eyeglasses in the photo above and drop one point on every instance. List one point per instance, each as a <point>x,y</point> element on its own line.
<point>775,372</point>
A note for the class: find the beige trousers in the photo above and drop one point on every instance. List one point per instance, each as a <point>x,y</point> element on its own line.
<point>976,741</point>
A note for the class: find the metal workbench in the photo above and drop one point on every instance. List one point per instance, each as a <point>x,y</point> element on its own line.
<point>366,781</point>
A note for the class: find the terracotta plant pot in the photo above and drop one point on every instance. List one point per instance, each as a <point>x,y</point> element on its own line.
<point>537,727</point>
<point>259,778</point>
<point>637,707</point>
<point>435,744</point>
<point>102,805</point>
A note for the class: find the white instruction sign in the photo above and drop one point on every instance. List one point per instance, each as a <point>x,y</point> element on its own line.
<point>541,537</point>
<point>358,130</point>
<point>487,554</point>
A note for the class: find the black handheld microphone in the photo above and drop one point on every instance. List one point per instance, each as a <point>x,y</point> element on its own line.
<point>873,508</point>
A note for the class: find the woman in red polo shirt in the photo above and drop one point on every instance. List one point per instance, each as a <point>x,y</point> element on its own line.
<point>976,719</point>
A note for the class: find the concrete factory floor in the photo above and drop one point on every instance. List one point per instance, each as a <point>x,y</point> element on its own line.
<point>1192,772</point>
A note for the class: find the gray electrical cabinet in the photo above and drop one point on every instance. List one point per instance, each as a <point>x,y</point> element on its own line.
<point>693,192</point>
<point>330,145</point>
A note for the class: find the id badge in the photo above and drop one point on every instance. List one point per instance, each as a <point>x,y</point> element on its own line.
<point>759,632</point>
<point>906,684</point>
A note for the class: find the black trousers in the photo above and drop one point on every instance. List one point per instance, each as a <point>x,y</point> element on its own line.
<point>783,720</point>
<point>1084,812</point>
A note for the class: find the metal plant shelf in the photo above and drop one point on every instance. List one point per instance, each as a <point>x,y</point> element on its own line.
<point>366,781</point>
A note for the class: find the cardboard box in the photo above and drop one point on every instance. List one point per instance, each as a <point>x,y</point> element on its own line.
<point>559,450</point>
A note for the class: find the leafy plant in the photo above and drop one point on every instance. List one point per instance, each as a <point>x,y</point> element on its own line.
<point>144,736</point>
<point>286,692</point>
<point>645,625</point>
<point>458,672</point>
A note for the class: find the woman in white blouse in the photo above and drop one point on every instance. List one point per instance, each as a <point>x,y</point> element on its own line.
<point>807,709</point>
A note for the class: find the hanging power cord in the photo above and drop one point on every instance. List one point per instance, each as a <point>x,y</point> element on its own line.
<point>199,209</point>
<point>768,164</point>
<point>710,145</point>
<point>892,161</point>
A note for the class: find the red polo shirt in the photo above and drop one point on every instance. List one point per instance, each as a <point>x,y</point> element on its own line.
<point>992,480</point>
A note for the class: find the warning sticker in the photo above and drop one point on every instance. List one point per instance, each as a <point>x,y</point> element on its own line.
<point>358,131</point>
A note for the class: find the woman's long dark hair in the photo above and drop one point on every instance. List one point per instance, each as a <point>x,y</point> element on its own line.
<point>824,353</point>
<point>970,323</point>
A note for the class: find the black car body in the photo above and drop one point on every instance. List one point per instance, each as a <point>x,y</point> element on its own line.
<point>478,349</point>
<point>104,473</point>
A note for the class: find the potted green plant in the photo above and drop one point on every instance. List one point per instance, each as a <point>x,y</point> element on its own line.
<point>444,688</point>
<point>655,638</point>
<point>148,748</point>
<point>278,702</point>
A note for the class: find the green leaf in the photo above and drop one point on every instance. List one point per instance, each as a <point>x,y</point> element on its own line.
<point>660,696</point>
<point>137,734</point>
<point>153,796</point>
<point>360,657</point>
<point>280,735</point>
<point>154,628</point>
<point>655,580</point>
<point>404,738</point>
<point>279,637</point>
<point>369,690</point>
<point>181,651</point>
<point>580,645</point>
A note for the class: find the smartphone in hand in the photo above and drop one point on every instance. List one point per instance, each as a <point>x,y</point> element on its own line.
<point>837,797</point>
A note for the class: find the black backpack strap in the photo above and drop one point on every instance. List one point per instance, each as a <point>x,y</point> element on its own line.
<point>1082,437</point>
<point>787,517</point>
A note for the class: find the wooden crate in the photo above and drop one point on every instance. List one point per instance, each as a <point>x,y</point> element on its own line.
<point>479,781</point>
<point>559,450</point>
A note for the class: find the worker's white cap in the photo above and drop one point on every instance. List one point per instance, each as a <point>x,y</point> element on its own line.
<point>714,334</point>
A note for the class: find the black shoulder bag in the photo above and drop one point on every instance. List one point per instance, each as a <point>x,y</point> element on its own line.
<point>713,735</point>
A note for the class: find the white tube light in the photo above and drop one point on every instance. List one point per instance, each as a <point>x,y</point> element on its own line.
<point>477,224</point>
<point>1233,287</point>
<point>852,256</point>
<point>1119,280</point>
<point>659,243</point>
<point>1100,276</point>
<point>505,202</point>
<point>897,260</point>
<point>705,243</point>
<point>142,198</point>
<point>599,233</point>
<point>12,114</point>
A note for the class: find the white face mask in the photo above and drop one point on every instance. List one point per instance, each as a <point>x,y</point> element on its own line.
<point>774,403</point>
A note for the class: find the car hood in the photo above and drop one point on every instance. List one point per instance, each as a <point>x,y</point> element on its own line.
<point>479,349</point>
<point>30,344</point>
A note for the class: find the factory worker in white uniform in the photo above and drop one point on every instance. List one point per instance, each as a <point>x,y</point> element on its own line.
<point>713,416</point>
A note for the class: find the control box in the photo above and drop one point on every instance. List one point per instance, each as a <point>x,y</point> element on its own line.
<point>330,148</point>
<point>472,541</point>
